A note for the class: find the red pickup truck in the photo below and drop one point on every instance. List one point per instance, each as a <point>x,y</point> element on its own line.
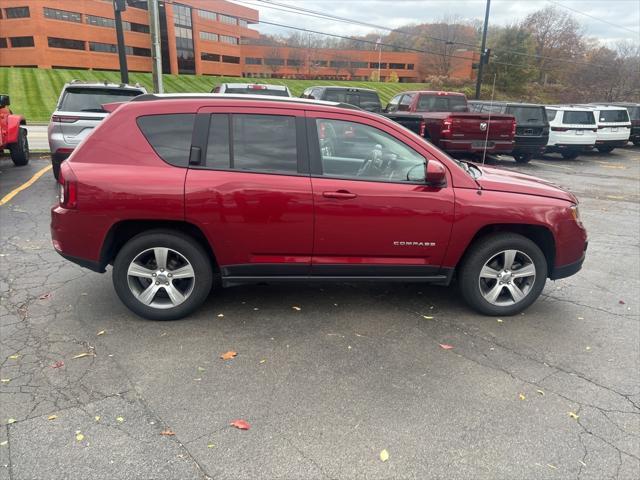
<point>443,118</point>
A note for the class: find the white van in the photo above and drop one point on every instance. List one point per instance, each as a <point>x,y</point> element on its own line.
<point>572,130</point>
<point>614,127</point>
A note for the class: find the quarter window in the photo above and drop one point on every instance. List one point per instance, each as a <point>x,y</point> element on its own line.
<point>169,135</point>
<point>360,152</point>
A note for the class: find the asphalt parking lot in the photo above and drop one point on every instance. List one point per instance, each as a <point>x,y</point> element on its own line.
<point>89,391</point>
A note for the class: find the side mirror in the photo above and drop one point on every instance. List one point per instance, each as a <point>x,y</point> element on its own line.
<point>4,101</point>
<point>435,174</point>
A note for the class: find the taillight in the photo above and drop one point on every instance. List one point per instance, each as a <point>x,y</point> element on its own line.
<point>559,129</point>
<point>423,128</point>
<point>513,129</point>
<point>64,119</point>
<point>64,151</point>
<point>68,191</point>
<point>257,87</point>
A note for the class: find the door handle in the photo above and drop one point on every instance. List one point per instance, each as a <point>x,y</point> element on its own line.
<point>340,194</point>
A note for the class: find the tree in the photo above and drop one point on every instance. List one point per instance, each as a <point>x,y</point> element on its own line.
<point>393,78</point>
<point>296,59</point>
<point>510,64</point>
<point>274,59</point>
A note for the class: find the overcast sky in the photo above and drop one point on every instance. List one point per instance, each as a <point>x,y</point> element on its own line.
<point>395,13</point>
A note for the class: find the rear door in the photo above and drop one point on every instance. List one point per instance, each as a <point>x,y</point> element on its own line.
<point>374,215</point>
<point>250,191</point>
<point>579,124</point>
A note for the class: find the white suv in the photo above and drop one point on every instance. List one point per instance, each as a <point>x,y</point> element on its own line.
<point>572,130</point>
<point>614,127</point>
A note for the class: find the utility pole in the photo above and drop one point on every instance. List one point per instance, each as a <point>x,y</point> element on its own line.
<point>156,55</point>
<point>483,53</point>
<point>121,6</point>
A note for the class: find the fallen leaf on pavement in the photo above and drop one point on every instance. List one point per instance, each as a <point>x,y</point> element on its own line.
<point>58,364</point>
<point>97,418</point>
<point>296,308</point>
<point>44,296</point>
<point>262,361</point>
<point>552,466</point>
<point>444,346</point>
<point>101,332</point>
<point>588,348</point>
<point>228,355</point>
<point>210,445</point>
<point>84,354</point>
<point>240,424</point>
<point>14,357</point>
<point>384,455</point>
<point>52,417</point>
<point>3,443</point>
<point>522,397</point>
<point>167,433</point>
<point>221,315</point>
<point>540,392</point>
<point>621,302</point>
<point>574,416</point>
<point>426,317</point>
<point>119,419</point>
<point>580,318</point>
<point>79,437</point>
<point>5,380</point>
<point>11,420</point>
<point>499,320</point>
<point>200,369</point>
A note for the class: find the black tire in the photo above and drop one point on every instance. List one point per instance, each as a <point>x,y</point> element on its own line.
<point>191,250</point>
<point>55,163</point>
<point>570,155</point>
<point>20,149</point>
<point>522,157</point>
<point>636,143</point>
<point>481,252</point>
<point>605,148</point>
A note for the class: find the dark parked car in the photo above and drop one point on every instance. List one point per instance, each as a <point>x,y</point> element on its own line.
<point>532,126</point>
<point>363,98</point>
<point>251,189</point>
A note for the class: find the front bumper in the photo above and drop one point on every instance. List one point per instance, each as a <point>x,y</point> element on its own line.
<point>564,271</point>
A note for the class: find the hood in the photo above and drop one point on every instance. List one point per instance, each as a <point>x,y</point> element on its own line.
<point>506,181</point>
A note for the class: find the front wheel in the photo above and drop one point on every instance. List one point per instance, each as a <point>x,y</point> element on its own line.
<point>502,274</point>
<point>162,275</point>
<point>523,157</point>
<point>20,149</point>
<point>605,148</point>
<point>570,155</point>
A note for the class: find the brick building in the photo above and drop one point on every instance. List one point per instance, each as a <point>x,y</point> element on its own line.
<point>201,37</point>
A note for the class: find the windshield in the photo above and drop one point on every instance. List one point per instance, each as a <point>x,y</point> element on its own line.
<point>579,118</point>
<point>366,100</point>
<point>614,116</point>
<point>527,114</point>
<point>258,91</point>
<point>79,99</point>
<point>442,103</point>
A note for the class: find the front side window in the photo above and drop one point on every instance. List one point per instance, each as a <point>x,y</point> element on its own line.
<point>169,135</point>
<point>258,143</point>
<point>360,152</point>
<point>405,103</point>
<point>393,103</point>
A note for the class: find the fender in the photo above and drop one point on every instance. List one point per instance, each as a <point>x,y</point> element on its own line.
<point>13,127</point>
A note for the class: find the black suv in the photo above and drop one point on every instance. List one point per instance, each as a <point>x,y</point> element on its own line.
<point>532,126</point>
<point>364,98</point>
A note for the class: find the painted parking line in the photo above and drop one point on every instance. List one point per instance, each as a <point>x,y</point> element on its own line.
<point>25,185</point>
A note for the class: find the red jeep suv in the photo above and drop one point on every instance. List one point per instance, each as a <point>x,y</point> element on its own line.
<point>176,191</point>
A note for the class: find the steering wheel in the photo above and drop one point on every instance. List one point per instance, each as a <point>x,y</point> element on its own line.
<point>373,164</point>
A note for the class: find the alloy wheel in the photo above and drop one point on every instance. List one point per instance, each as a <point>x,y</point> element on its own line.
<point>507,278</point>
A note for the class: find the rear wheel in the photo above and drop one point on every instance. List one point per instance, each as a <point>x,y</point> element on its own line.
<point>162,275</point>
<point>605,148</point>
<point>570,155</point>
<point>20,149</point>
<point>502,274</point>
<point>522,157</point>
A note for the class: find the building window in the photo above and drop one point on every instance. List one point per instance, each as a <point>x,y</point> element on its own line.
<point>3,43</point>
<point>103,47</point>
<point>206,14</point>
<point>375,65</point>
<point>68,43</point>
<point>230,59</point>
<point>228,39</point>
<point>319,63</point>
<point>243,23</point>
<point>138,51</point>
<point>209,57</point>
<point>184,38</point>
<point>181,15</point>
<point>252,61</point>
<point>294,62</point>
<point>274,61</point>
<point>359,64</point>
<point>142,4</point>
<point>19,42</point>
<point>213,37</point>
<point>410,66</point>
<point>138,27</point>
<point>338,64</point>
<point>100,21</point>
<point>228,19</point>
<point>62,15</point>
<point>397,66</point>
<point>17,12</point>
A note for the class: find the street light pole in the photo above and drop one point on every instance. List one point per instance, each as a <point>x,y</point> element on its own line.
<point>156,55</point>
<point>483,52</point>
<point>121,6</point>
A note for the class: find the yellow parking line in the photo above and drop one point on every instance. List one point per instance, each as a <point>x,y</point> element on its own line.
<point>25,185</point>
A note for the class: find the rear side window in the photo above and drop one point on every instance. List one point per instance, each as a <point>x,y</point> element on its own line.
<point>634,113</point>
<point>78,99</point>
<point>579,118</point>
<point>260,143</point>
<point>169,135</point>
<point>614,116</point>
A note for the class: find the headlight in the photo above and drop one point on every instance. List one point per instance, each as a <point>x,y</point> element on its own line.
<point>575,213</point>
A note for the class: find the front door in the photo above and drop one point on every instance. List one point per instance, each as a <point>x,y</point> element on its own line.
<point>374,214</point>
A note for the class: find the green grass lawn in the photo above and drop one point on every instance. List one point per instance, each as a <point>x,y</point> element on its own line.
<point>34,92</point>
